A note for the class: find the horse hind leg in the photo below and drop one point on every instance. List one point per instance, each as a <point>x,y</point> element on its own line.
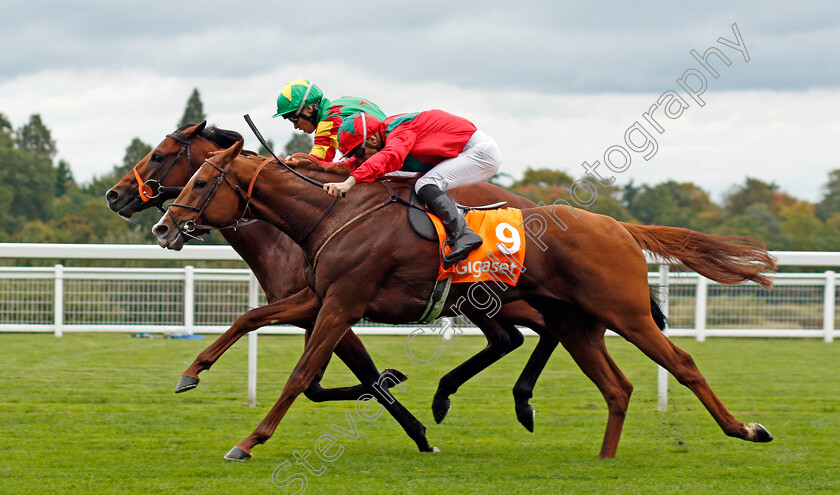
<point>523,314</point>
<point>589,351</point>
<point>502,338</point>
<point>524,388</point>
<point>583,337</point>
<point>644,334</point>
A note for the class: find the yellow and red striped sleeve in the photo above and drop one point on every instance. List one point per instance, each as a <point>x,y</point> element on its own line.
<point>325,142</point>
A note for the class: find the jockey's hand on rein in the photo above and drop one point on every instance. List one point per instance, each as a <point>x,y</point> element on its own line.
<point>339,188</point>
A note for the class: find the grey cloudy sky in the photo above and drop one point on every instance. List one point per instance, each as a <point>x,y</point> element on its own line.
<point>555,82</point>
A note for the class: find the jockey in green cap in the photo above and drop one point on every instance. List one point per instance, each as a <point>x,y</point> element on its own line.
<point>303,103</point>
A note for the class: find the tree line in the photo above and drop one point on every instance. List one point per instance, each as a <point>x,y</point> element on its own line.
<point>41,202</point>
<point>755,207</point>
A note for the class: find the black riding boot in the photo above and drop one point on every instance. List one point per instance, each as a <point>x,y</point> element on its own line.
<point>460,238</point>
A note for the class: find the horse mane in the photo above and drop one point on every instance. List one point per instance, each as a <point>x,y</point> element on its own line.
<point>223,138</point>
<point>314,164</point>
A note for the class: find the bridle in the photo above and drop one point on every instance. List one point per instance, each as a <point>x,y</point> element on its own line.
<point>192,225</point>
<point>152,188</point>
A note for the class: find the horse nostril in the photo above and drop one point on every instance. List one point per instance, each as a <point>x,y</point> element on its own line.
<point>112,195</point>
<point>160,230</point>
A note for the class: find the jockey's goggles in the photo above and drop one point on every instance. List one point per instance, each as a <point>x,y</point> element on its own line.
<point>293,117</point>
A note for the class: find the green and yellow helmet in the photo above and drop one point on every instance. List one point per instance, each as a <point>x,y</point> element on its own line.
<point>296,95</point>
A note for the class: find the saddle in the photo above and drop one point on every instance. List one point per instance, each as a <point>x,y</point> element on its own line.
<point>422,224</point>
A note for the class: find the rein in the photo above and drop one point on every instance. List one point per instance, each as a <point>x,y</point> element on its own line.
<point>151,188</point>
<point>191,225</point>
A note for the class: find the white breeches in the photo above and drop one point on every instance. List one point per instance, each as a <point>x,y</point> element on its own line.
<point>477,162</point>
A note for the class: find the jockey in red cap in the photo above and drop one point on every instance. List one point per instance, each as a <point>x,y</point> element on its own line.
<point>444,150</point>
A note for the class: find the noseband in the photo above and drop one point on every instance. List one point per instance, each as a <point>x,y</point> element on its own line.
<point>152,188</point>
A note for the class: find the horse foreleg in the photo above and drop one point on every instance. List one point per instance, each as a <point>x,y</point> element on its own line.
<point>352,352</point>
<point>502,337</point>
<point>333,321</point>
<point>378,385</point>
<point>645,335</point>
<point>294,309</point>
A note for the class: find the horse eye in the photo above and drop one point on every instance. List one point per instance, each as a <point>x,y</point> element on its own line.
<point>157,157</point>
<point>200,183</point>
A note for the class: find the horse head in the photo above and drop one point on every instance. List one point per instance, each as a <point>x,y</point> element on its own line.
<point>161,174</point>
<point>209,200</point>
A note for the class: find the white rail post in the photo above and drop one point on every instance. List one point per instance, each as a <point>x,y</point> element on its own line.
<point>253,302</point>
<point>189,299</point>
<point>58,304</point>
<point>701,303</point>
<point>662,373</point>
<point>828,305</point>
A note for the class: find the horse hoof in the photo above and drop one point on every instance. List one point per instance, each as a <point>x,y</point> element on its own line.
<point>761,435</point>
<point>399,375</point>
<point>237,454</point>
<point>440,407</point>
<point>525,415</point>
<point>435,450</point>
<point>186,383</point>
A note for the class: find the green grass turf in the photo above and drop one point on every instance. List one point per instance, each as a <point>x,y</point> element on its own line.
<point>96,414</point>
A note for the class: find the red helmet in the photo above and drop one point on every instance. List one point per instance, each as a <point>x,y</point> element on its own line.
<point>355,130</point>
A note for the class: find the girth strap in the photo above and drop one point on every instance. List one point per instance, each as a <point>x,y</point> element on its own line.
<point>436,301</point>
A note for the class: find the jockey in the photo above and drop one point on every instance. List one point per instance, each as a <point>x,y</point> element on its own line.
<point>302,103</point>
<point>444,150</point>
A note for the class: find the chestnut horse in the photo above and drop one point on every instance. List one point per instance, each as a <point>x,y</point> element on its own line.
<point>584,277</point>
<point>276,260</point>
<point>278,264</point>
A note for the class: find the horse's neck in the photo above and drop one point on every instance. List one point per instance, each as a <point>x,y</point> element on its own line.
<point>200,150</point>
<point>296,207</point>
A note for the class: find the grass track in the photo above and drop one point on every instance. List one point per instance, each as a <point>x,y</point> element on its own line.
<point>96,414</point>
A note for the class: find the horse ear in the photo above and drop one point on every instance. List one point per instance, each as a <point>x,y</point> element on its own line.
<point>194,130</point>
<point>229,154</point>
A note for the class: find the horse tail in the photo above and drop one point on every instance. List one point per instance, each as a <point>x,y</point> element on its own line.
<point>656,312</point>
<point>724,259</point>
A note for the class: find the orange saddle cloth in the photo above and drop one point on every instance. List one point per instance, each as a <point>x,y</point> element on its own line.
<point>501,256</point>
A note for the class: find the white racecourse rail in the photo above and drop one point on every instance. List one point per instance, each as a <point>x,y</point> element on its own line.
<point>60,299</point>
